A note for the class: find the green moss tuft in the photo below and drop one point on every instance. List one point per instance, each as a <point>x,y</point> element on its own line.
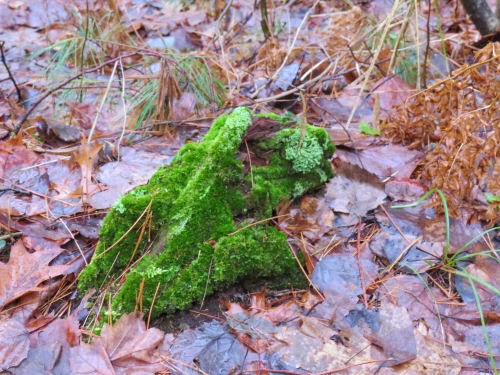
<point>254,254</point>
<point>193,203</point>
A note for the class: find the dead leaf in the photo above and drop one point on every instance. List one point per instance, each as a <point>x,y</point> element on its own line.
<point>50,347</point>
<point>14,343</point>
<point>26,272</point>
<point>90,359</point>
<point>390,92</point>
<point>124,347</point>
<point>404,190</point>
<point>312,348</point>
<point>14,155</point>
<point>353,192</point>
<point>383,161</point>
<point>86,157</point>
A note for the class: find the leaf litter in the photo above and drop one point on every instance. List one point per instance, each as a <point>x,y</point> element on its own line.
<point>382,300</point>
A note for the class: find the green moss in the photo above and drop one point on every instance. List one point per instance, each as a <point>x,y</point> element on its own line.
<point>257,253</point>
<point>187,251</point>
<point>299,163</point>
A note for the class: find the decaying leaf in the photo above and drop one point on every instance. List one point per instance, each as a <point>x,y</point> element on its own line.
<point>26,272</point>
<point>123,348</point>
<point>14,343</point>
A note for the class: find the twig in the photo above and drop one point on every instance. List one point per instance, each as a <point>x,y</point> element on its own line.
<point>427,45</point>
<point>10,235</point>
<point>64,83</point>
<point>395,225</point>
<point>103,101</point>
<point>373,64</point>
<point>121,74</point>
<point>416,12</point>
<point>401,35</point>
<point>152,305</point>
<point>292,45</point>
<point>11,77</point>
<point>78,75</point>
<point>289,51</point>
<point>360,266</point>
<point>304,272</point>
<point>301,86</point>
<point>256,223</point>
<point>74,239</point>
<point>82,55</point>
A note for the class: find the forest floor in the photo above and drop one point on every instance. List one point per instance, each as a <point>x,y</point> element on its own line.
<point>96,95</point>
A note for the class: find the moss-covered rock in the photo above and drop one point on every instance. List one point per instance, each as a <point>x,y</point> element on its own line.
<point>175,234</point>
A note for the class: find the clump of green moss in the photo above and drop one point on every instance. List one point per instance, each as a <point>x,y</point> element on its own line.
<point>187,250</point>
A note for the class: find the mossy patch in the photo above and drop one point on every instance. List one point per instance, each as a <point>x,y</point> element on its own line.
<point>186,234</point>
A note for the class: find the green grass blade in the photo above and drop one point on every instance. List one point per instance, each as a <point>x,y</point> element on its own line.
<point>481,315</point>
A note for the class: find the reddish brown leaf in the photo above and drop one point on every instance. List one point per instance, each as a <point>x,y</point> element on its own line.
<point>26,272</point>
<point>383,161</point>
<point>50,346</point>
<point>129,340</point>
<point>126,345</point>
<point>86,157</point>
<point>390,92</point>
<point>13,154</point>
<point>90,359</point>
<point>14,343</point>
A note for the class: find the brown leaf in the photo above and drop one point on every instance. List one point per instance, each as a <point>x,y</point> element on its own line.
<point>126,345</point>
<point>13,154</point>
<point>129,340</point>
<point>14,343</point>
<point>390,92</point>
<point>86,157</point>
<point>26,272</point>
<point>90,359</point>
<point>383,161</point>
<point>50,346</point>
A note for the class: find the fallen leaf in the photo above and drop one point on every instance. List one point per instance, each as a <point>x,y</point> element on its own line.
<point>383,161</point>
<point>390,92</point>
<point>90,359</point>
<point>124,347</point>
<point>25,272</point>
<point>86,157</point>
<point>353,192</point>
<point>312,348</point>
<point>211,348</point>
<point>14,343</point>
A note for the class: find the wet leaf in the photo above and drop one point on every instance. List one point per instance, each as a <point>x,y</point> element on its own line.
<point>86,157</point>
<point>311,346</point>
<point>134,168</point>
<point>211,348</point>
<point>26,272</point>
<point>50,347</point>
<point>383,161</point>
<point>14,343</point>
<point>353,192</point>
<point>126,346</point>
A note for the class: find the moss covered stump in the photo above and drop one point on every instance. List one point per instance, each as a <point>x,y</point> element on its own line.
<point>189,231</point>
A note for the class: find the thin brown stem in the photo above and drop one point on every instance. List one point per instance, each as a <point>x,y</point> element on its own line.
<point>11,77</point>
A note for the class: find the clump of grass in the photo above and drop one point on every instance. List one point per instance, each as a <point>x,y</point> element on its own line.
<point>98,36</point>
<point>93,37</point>
<point>186,73</point>
<point>453,263</point>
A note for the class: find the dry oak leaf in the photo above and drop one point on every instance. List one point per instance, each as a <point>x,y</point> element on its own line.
<point>127,347</point>
<point>26,272</point>
<point>14,343</point>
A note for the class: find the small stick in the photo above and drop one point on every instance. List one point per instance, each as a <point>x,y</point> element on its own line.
<point>61,85</point>
<point>78,75</point>
<point>11,77</point>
